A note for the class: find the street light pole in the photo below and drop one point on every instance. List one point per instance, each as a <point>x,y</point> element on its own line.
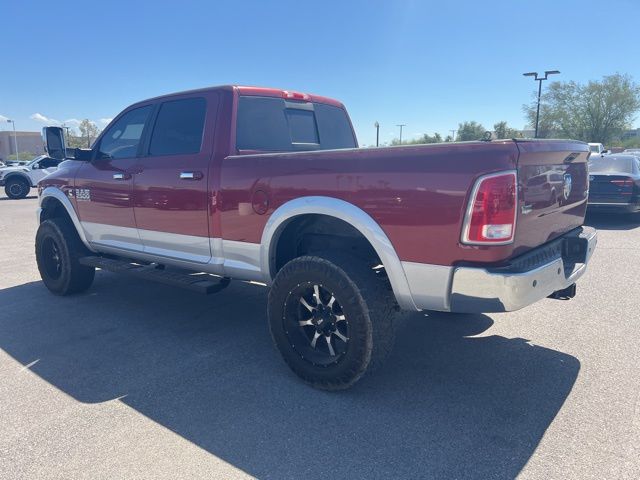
<point>453,135</point>
<point>67,132</point>
<point>540,80</point>
<point>401,125</point>
<point>377,125</point>
<point>15,139</point>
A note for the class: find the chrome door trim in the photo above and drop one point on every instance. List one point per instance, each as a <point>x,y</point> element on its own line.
<point>174,245</point>
<point>100,234</point>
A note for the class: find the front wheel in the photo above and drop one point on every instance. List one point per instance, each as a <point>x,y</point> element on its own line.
<point>58,253</point>
<point>331,319</point>
<point>17,188</point>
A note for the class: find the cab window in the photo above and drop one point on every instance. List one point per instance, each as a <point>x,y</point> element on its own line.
<point>121,140</point>
<point>178,127</point>
<point>273,124</point>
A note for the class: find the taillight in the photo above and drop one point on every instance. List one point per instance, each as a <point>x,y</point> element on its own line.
<point>491,213</point>
<point>295,95</point>
<point>626,184</point>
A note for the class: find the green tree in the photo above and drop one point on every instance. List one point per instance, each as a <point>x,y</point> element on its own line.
<point>633,142</point>
<point>75,141</point>
<point>426,138</point>
<point>470,131</point>
<point>88,131</point>
<point>502,130</point>
<point>598,111</point>
<point>24,156</point>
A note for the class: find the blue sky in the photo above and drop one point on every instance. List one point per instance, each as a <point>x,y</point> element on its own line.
<point>430,65</point>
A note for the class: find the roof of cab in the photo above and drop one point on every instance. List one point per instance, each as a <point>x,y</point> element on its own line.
<point>254,91</point>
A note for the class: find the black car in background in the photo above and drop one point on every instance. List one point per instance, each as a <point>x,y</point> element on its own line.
<point>614,183</point>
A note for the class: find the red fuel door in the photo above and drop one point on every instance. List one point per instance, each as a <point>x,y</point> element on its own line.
<point>260,202</point>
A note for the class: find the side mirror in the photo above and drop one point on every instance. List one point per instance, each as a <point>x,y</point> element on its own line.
<point>53,138</point>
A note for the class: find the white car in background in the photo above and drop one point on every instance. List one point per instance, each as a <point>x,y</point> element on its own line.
<point>545,189</point>
<point>18,180</point>
<point>597,149</point>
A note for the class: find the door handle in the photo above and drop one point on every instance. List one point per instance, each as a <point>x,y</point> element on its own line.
<point>190,175</point>
<point>121,176</point>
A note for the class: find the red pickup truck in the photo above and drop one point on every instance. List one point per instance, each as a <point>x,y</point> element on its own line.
<point>196,188</point>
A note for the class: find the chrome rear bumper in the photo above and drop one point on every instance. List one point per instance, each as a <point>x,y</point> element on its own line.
<point>504,290</point>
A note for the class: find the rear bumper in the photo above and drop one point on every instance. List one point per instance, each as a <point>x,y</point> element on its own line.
<point>555,267</point>
<point>526,279</point>
<point>613,207</point>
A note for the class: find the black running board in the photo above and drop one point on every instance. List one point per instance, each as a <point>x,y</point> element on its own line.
<point>201,283</point>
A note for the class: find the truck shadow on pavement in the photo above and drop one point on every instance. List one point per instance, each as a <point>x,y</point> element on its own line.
<point>446,404</point>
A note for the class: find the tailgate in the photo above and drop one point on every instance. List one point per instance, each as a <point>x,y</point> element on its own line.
<point>553,188</point>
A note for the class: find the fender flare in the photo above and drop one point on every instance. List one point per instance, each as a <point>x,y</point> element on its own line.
<point>21,175</point>
<point>353,215</point>
<point>56,193</point>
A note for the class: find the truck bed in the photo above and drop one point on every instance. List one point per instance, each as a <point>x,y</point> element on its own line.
<point>417,194</point>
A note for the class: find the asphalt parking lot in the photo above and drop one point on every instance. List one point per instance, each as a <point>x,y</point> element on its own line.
<point>137,380</point>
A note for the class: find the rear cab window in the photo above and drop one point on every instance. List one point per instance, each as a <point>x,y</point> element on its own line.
<point>272,124</point>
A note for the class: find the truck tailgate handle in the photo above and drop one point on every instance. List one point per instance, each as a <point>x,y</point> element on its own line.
<point>121,176</point>
<point>191,175</point>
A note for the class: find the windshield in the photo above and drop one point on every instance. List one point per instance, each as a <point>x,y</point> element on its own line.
<point>623,164</point>
<point>594,148</point>
<point>33,160</point>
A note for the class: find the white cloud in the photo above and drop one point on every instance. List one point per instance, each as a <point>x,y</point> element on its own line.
<point>38,117</point>
<point>71,123</point>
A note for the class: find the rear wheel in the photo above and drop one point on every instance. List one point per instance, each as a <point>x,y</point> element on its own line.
<point>331,319</point>
<point>17,188</point>
<point>58,251</point>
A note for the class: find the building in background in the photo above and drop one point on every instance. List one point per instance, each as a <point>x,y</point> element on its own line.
<point>635,133</point>
<point>28,142</point>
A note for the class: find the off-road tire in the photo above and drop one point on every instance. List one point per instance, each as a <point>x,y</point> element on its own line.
<point>17,188</point>
<point>68,276</point>
<point>365,300</point>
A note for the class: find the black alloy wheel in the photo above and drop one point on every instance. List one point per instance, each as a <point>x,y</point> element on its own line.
<point>51,259</point>
<point>331,318</point>
<point>315,324</point>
